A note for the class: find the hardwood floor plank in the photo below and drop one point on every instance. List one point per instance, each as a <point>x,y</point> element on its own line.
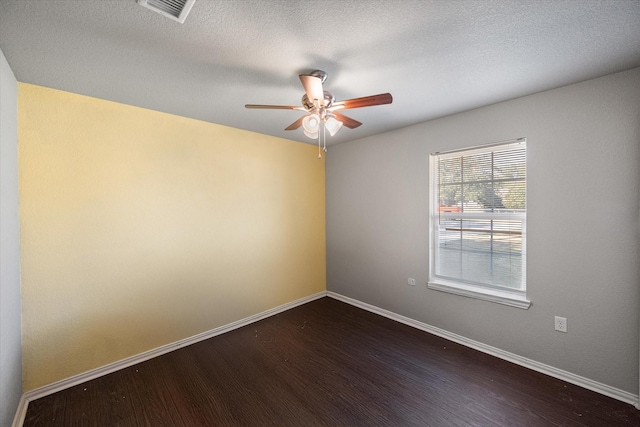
<point>327,363</point>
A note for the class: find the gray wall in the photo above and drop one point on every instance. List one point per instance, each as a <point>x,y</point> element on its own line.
<point>583,145</point>
<point>10,306</point>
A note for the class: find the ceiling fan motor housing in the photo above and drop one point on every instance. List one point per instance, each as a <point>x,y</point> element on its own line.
<point>328,100</point>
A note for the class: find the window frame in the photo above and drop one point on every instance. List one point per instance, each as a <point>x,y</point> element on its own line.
<point>511,297</point>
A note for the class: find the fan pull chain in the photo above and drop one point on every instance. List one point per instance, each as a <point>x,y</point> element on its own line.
<point>322,147</point>
<point>324,137</point>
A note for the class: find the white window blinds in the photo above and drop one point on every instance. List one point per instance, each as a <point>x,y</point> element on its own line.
<point>478,216</point>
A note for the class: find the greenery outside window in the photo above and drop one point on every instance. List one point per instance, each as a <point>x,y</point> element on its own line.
<point>478,222</point>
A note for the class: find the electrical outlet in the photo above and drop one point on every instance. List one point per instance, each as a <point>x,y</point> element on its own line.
<point>411,281</point>
<point>561,324</point>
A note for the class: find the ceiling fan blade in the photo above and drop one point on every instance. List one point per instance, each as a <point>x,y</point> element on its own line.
<point>347,121</point>
<point>274,107</point>
<point>295,125</point>
<point>313,87</point>
<point>365,101</point>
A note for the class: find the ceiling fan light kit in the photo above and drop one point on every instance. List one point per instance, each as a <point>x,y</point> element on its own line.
<point>321,108</point>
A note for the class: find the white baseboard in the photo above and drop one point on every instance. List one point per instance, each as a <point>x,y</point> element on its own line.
<point>569,377</point>
<point>37,393</point>
<point>21,412</point>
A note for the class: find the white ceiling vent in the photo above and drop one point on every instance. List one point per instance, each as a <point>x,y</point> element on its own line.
<point>172,9</point>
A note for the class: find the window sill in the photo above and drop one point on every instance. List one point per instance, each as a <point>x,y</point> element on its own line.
<point>492,295</point>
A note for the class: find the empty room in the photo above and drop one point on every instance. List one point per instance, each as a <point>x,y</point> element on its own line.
<point>340,213</point>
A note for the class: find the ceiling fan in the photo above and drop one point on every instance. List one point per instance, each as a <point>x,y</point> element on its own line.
<point>322,109</point>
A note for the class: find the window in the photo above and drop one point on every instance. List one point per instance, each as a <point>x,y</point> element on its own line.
<point>478,222</point>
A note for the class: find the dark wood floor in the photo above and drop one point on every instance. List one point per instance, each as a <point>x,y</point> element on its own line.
<point>327,363</point>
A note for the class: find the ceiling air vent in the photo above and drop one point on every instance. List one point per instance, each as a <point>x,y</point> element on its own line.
<point>172,9</point>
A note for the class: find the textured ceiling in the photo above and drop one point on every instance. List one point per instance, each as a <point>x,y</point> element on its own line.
<point>435,57</point>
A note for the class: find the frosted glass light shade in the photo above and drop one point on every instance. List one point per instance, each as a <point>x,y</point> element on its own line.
<point>332,125</point>
<point>311,124</point>
<point>312,135</point>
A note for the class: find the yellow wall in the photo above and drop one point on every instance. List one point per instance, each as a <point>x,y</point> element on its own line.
<point>140,228</point>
